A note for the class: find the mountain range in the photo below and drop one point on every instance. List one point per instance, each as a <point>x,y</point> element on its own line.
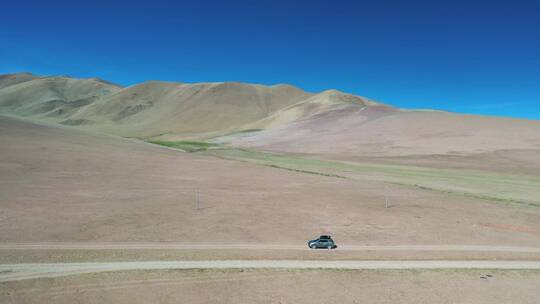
<point>279,118</point>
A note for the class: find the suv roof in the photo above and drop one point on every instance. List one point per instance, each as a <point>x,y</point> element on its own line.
<point>323,237</point>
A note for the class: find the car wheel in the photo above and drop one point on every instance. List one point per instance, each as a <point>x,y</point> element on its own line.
<point>313,247</point>
<point>329,247</point>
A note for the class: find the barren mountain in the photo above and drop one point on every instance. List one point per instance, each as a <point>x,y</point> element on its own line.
<point>179,110</point>
<point>324,102</point>
<point>149,109</point>
<point>11,79</point>
<point>376,131</point>
<point>283,118</point>
<point>51,98</point>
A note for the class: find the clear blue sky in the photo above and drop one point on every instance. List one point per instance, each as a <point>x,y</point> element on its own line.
<point>464,56</point>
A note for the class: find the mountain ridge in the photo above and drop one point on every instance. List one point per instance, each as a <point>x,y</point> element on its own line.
<point>288,119</point>
<point>154,107</point>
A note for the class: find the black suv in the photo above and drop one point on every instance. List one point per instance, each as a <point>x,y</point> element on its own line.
<point>324,241</point>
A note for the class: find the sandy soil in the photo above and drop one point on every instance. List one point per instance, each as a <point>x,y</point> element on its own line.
<point>278,286</point>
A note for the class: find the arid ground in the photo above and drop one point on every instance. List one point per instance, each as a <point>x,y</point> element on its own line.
<point>61,186</point>
<point>282,286</point>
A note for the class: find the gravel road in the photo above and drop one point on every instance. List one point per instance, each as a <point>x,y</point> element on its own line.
<point>247,246</point>
<point>14,272</point>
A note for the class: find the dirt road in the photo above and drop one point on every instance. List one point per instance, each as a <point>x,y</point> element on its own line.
<point>15,272</point>
<point>247,246</point>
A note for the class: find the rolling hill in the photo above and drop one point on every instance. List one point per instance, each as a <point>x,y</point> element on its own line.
<point>374,131</point>
<point>177,110</point>
<point>11,79</point>
<point>50,98</point>
<point>279,118</point>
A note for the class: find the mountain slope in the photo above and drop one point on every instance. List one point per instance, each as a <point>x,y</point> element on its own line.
<point>187,110</point>
<point>318,104</point>
<point>53,98</point>
<point>165,109</point>
<point>385,132</point>
<point>329,123</point>
<point>11,79</point>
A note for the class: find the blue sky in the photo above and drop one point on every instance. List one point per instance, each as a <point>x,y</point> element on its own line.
<point>465,56</point>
